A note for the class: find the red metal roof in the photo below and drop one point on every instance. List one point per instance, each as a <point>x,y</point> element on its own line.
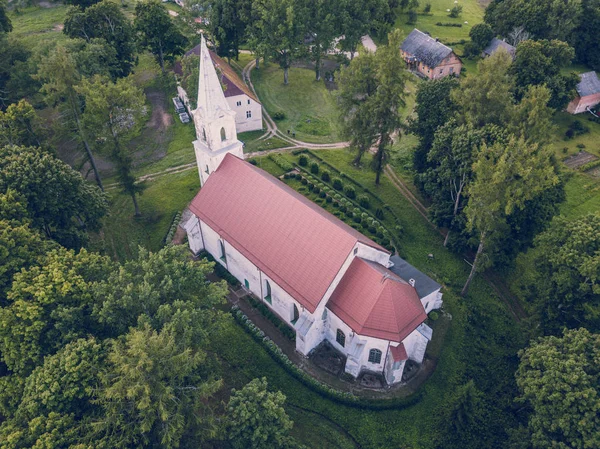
<point>399,353</point>
<point>375,302</point>
<point>289,238</point>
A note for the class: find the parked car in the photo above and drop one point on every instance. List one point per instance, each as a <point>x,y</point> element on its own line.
<point>179,107</point>
<point>184,117</point>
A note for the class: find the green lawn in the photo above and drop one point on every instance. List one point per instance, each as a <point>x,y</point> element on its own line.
<point>35,26</point>
<point>309,108</point>
<point>472,13</point>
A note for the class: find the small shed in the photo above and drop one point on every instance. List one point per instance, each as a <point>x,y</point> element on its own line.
<point>495,45</point>
<point>588,93</point>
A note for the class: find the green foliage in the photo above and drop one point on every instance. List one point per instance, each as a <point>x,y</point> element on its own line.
<point>350,192</point>
<point>559,379</point>
<point>566,284</point>
<point>227,22</point>
<point>540,62</point>
<point>584,36</point>
<point>337,184</point>
<point>325,176</point>
<point>412,17</point>
<point>314,168</point>
<point>427,8</point>
<point>5,23</point>
<point>256,418</point>
<point>115,112</point>
<point>19,125</point>
<point>49,306</point>
<point>279,115</point>
<point>157,32</point>
<point>363,200</point>
<point>154,390</point>
<point>456,11</point>
<point>281,162</point>
<point>303,160</point>
<point>59,202</point>
<point>104,20</point>
<point>481,35</point>
<point>360,17</point>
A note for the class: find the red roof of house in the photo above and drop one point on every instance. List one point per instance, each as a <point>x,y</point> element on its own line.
<point>399,353</point>
<point>289,238</point>
<point>375,302</point>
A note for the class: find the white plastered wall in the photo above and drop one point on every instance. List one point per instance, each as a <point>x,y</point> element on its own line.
<point>242,123</point>
<point>432,301</point>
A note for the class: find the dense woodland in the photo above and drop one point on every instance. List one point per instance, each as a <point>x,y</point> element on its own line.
<point>99,353</point>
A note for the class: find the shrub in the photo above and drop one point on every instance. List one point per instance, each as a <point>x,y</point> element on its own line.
<point>350,192</point>
<point>569,134</point>
<point>314,168</point>
<point>337,184</point>
<point>304,181</point>
<point>412,17</point>
<point>329,200</point>
<point>357,219</point>
<point>450,24</point>
<point>349,214</point>
<point>399,230</point>
<point>379,213</point>
<point>279,115</point>
<point>317,190</point>
<point>456,11</point>
<point>357,211</point>
<point>303,160</point>
<point>363,200</point>
<point>310,186</point>
<point>323,195</point>
<point>298,176</point>
<point>427,8</point>
<point>581,146</point>
<point>343,208</point>
<point>335,204</point>
<point>283,163</point>
<point>252,161</point>
<point>433,315</point>
<point>325,176</point>
<point>565,150</point>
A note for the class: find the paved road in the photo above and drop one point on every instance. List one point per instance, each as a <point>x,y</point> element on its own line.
<point>368,43</point>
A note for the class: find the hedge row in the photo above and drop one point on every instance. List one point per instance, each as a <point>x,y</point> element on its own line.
<point>327,392</point>
<point>449,24</point>
<point>281,162</point>
<point>268,314</point>
<point>173,228</point>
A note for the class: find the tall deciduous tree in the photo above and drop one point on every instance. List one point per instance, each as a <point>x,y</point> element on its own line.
<point>559,377</point>
<point>540,62</point>
<point>59,201</point>
<point>60,76</point>
<point>104,20</point>
<point>357,17</point>
<point>279,27</point>
<point>256,418</point>
<point>585,36</point>
<point>153,391</point>
<point>5,23</point>
<point>157,31</point>
<point>115,112</point>
<point>323,27</point>
<point>487,98</point>
<point>506,177</point>
<point>228,20</point>
<point>566,285</point>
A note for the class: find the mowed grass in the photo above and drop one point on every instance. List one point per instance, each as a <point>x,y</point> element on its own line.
<point>164,196</point>
<point>309,108</point>
<point>36,26</point>
<point>472,14</point>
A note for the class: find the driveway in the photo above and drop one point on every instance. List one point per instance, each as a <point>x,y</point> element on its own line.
<point>368,43</point>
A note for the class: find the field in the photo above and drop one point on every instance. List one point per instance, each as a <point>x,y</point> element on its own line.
<point>309,107</point>
<point>36,26</point>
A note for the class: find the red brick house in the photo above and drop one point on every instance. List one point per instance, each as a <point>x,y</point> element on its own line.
<point>588,93</point>
<point>428,56</point>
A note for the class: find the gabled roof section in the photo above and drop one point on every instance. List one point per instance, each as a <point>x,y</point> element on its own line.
<point>375,302</point>
<point>234,85</point>
<point>399,353</point>
<point>496,43</point>
<point>423,283</point>
<point>210,94</point>
<point>293,241</point>
<point>589,84</point>
<point>425,48</point>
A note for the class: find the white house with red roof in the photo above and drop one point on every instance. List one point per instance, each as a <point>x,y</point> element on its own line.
<point>322,277</point>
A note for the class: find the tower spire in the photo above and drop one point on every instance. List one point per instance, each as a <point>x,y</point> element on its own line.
<point>211,100</point>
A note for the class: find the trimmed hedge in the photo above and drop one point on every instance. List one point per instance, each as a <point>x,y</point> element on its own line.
<point>268,314</point>
<point>281,162</point>
<point>173,228</point>
<point>310,382</point>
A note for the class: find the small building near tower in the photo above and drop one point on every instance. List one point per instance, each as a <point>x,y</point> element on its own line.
<point>497,44</point>
<point>324,279</point>
<point>429,57</point>
<point>588,93</point>
<point>241,99</point>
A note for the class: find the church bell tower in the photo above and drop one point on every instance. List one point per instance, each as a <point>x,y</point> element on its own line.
<point>214,120</point>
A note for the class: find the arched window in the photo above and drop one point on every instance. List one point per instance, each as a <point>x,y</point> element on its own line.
<point>223,255</point>
<point>340,337</point>
<point>295,314</point>
<point>375,356</point>
<point>223,136</point>
<point>268,291</point>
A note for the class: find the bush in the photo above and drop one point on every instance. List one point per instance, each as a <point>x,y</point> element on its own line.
<point>337,184</point>
<point>455,12</point>
<point>433,315</point>
<point>343,208</point>
<point>412,17</point>
<point>399,230</point>
<point>449,24</point>
<point>303,160</point>
<point>252,161</point>
<point>379,213</point>
<point>565,150</point>
<point>363,200</point>
<point>329,200</point>
<point>323,195</point>
<point>357,219</point>
<point>304,181</point>
<point>581,146</point>
<point>325,176</point>
<point>350,192</point>
<point>299,176</point>
<point>349,214</point>
<point>281,162</point>
<point>569,134</point>
<point>427,8</point>
<point>317,190</point>
<point>314,168</point>
<point>279,115</point>
<point>310,186</point>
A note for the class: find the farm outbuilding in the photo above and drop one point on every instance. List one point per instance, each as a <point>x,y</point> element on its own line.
<point>588,93</point>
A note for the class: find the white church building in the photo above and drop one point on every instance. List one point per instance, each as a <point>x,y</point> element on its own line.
<point>322,277</point>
